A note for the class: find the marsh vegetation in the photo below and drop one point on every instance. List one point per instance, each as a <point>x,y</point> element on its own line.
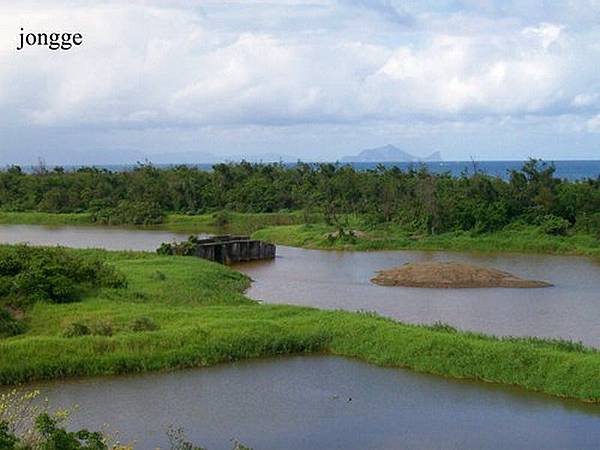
<point>200,317</point>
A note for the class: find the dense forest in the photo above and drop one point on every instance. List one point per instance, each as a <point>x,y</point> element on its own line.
<point>415,199</point>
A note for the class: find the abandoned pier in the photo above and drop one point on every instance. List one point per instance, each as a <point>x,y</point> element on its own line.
<point>225,249</point>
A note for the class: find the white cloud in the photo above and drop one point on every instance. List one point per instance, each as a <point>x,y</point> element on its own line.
<point>470,75</point>
<point>178,64</point>
<point>585,100</point>
<point>593,124</point>
<point>547,33</point>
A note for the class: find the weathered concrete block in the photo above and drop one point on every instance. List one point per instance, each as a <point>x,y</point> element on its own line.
<point>228,249</point>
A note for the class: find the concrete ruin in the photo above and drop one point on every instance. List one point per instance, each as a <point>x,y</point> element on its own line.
<point>231,249</point>
<point>225,249</point>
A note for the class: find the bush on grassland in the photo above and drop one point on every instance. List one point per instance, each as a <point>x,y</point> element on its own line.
<point>184,248</point>
<point>144,324</point>
<point>96,328</point>
<point>129,212</point>
<point>29,274</point>
<point>9,326</point>
<point>76,329</point>
<point>553,225</point>
<point>101,328</point>
<point>589,223</point>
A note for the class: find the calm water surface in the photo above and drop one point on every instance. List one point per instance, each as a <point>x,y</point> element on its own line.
<point>88,237</point>
<point>340,280</point>
<point>301,403</point>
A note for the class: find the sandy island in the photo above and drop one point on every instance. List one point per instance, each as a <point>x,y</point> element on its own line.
<point>451,275</point>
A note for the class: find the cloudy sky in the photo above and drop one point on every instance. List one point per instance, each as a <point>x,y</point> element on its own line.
<point>314,79</point>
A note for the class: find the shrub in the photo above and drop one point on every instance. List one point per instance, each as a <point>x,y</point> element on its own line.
<point>27,424</point>
<point>76,329</point>
<point>144,324</point>
<point>138,213</point>
<point>9,326</point>
<point>96,328</point>
<point>129,212</point>
<point>589,223</point>
<point>177,440</point>
<point>553,225</point>
<point>55,438</point>
<point>29,274</point>
<point>101,328</point>
<point>222,218</point>
<point>165,249</point>
<point>183,248</point>
<point>8,441</point>
<point>491,217</point>
<point>442,326</point>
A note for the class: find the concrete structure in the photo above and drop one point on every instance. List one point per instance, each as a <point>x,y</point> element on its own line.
<point>231,249</point>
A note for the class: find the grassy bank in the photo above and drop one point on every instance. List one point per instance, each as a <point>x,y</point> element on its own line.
<point>290,229</point>
<point>230,223</point>
<point>521,239</point>
<point>40,218</point>
<point>203,318</point>
<point>235,223</point>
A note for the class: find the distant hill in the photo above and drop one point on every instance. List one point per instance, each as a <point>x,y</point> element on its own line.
<point>389,153</point>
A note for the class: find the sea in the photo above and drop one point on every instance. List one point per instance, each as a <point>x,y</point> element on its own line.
<point>570,170</point>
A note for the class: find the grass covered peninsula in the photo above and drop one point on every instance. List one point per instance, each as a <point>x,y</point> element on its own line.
<point>292,230</point>
<point>173,312</point>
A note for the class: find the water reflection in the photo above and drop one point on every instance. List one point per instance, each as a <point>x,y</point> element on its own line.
<point>88,237</point>
<point>302,403</point>
<point>340,280</point>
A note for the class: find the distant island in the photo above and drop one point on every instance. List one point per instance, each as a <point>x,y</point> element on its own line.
<point>389,153</point>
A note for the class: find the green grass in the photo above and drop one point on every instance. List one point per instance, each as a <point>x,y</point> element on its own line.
<point>40,218</point>
<point>205,319</point>
<point>521,239</point>
<point>238,223</point>
<point>288,228</point>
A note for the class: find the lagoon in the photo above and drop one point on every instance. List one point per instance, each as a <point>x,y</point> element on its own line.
<point>341,280</point>
<point>302,403</point>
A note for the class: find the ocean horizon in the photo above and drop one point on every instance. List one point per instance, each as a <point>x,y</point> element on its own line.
<point>565,169</point>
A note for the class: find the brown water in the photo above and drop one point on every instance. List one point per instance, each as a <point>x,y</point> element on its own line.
<point>340,280</point>
<point>88,237</point>
<point>301,403</point>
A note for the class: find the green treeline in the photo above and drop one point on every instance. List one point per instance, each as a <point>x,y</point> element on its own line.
<point>416,199</point>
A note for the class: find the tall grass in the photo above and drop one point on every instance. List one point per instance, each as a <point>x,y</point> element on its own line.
<point>289,228</point>
<point>40,218</point>
<point>203,318</point>
<point>525,239</point>
<point>230,222</point>
<point>222,222</point>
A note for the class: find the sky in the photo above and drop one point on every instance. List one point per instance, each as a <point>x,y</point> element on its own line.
<point>309,79</point>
